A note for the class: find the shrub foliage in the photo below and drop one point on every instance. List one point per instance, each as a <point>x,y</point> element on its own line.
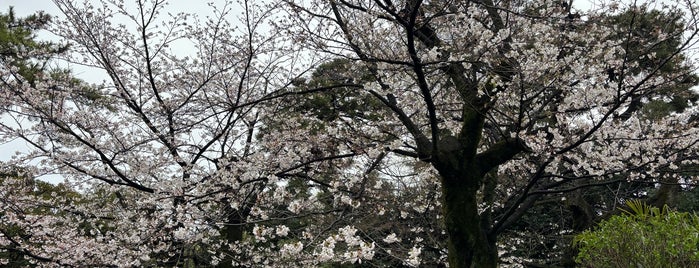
<point>643,236</point>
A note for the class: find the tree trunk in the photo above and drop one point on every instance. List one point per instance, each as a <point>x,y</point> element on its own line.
<point>233,231</point>
<point>469,244</point>
<point>583,218</point>
<point>667,194</point>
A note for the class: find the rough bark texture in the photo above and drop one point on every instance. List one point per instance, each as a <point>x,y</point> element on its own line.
<point>462,173</point>
<point>469,244</point>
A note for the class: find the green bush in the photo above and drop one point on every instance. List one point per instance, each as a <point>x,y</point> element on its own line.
<point>642,237</point>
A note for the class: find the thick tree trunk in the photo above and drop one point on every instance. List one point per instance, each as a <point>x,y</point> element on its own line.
<point>583,218</point>
<point>233,231</point>
<point>469,244</point>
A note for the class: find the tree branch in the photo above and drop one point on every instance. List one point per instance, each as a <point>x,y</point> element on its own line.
<point>500,153</point>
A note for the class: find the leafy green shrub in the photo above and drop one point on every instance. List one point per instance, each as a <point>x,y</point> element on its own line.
<point>642,237</point>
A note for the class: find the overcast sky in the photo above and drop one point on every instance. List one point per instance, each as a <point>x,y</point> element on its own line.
<point>26,7</point>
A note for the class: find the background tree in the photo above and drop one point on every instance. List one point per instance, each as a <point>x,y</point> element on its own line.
<point>392,203</point>
<point>19,47</point>
<point>538,234</point>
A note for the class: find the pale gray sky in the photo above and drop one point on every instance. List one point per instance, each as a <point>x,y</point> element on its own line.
<point>26,7</point>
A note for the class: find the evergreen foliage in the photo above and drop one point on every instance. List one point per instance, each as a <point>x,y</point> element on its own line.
<point>643,236</point>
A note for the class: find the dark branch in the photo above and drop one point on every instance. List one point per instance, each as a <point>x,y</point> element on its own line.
<point>500,153</point>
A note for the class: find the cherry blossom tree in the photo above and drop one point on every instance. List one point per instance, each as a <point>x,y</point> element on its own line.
<point>163,153</point>
<point>531,95</point>
<point>310,133</point>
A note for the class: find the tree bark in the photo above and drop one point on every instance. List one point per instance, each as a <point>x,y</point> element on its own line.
<point>234,230</point>
<point>463,172</point>
<point>469,244</point>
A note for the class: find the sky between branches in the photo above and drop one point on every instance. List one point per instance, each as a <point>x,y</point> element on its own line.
<point>24,8</point>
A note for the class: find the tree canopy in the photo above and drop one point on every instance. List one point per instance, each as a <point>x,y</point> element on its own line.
<point>341,133</point>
